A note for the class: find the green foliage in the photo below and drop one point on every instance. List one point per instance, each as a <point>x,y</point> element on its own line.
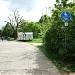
<point>31,27</point>
<point>0,32</point>
<point>44,22</point>
<point>60,40</point>
<point>7,30</point>
<point>38,40</point>
<point>39,29</point>
<point>61,4</point>
<point>45,19</point>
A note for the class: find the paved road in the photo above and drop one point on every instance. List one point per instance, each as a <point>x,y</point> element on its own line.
<point>19,58</point>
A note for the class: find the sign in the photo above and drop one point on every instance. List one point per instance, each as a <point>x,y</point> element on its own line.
<point>65,16</point>
<point>66,24</point>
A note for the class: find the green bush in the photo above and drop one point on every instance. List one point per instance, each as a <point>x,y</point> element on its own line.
<point>60,40</point>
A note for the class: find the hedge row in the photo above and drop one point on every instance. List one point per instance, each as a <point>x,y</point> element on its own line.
<point>60,41</point>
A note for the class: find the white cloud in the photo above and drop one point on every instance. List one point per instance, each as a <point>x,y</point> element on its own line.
<point>39,10</point>
<point>29,9</point>
<point>3,11</point>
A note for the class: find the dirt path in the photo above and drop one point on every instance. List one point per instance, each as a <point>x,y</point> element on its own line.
<point>19,58</point>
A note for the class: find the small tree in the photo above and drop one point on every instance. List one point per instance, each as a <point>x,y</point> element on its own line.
<point>44,22</point>
<point>7,30</point>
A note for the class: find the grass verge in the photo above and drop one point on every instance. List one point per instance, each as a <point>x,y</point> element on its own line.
<point>38,40</point>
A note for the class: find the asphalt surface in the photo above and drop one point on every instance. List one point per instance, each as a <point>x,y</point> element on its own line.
<point>20,58</point>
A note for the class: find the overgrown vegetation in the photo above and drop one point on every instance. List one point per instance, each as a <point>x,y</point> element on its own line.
<point>55,58</point>
<point>60,40</point>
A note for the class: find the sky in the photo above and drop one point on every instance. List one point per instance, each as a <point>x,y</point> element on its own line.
<point>31,10</point>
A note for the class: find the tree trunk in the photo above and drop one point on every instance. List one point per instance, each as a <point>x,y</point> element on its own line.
<point>15,34</point>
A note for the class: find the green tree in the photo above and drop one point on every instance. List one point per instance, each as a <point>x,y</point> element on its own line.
<point>61,4</point>
<point>0,32</point>
<point>30,27</point>
<point>45,19</point>
<point>45,22</point>
<point>7,30</point>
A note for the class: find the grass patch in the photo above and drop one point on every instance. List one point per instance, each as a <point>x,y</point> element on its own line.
<point>62,66</point>
<point>38,40</point>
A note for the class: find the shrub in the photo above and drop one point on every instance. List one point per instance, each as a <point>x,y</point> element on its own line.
<point>60,40</point>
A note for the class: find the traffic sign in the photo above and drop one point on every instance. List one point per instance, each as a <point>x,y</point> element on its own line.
<point>65,16</point>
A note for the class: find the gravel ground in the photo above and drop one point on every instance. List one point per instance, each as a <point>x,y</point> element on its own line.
<point>20,58</point>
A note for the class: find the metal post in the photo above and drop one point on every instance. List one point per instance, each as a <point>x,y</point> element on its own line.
<point>66,26</point>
